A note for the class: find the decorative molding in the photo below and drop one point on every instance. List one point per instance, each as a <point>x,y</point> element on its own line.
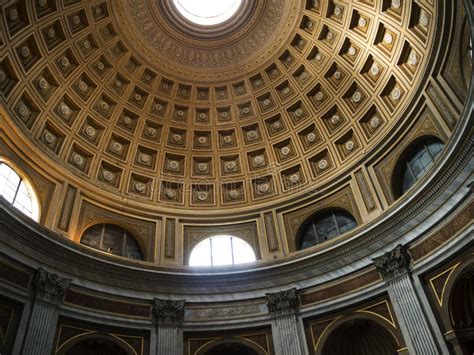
<point>170,238</point>
<point>441,106</point>
<point>393,263</point>
<point>215,312</point>
<point>284,302</point>
<point>168,311</point>
<point>365,191</point>
<point>66,209</point>
<point>271,232</point>
<point>50,287</point>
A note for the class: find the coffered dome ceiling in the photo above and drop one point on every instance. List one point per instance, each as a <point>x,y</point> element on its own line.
<point>287,96</point>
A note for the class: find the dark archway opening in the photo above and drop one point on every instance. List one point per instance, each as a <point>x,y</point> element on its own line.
<point>461,305</point>
<point>231,349</point>
<point>96,346</point>
<point>360,337</point>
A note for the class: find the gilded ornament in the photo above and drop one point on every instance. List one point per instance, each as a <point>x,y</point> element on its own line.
<point>357,97</point>
<point>23,110</point>
<point>140,187</point>
<point>76,20</point>
<point>323,164</point>
<point>173,165</point>
<point>396,94</point>
<point>335,119</point>
<point>116,147</point>
<point>350,145</point>
<point>294,178</point>
<point>362,22</point>
<point>77,159</point>
<point>13,15</point>
<point>43,84</point>
<point>311,137</point>
<point>259,160</point>
<point>388,38</point>
<point>107,175</point>
<point>285,151</point>
<point>3,76</point>
<point>374,122</point>
<point>25,51</point>
<point>90,131</point>
<point>319,96</point>
<point>202,195</point>
<point>51,33</point>
<point>234,194</point>
<point>170,194</point>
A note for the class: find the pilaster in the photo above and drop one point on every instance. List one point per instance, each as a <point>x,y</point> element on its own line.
<point>394,267</point>
<point>49,293</point>
<point>283,306</point>
<point>169,315</point>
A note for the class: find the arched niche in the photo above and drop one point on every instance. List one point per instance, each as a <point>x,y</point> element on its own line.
<point>95,344</point>
<point>228,346</point>
<point>460,310</point>
<point>359,335</point>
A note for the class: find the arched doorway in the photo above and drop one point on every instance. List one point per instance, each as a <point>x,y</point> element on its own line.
<point>360,337</point>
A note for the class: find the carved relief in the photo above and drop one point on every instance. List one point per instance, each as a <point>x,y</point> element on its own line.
<point>283,302</point>
<point>393,263</point>
<point>50,287</point>
<point>66,209</point>
<point>168,311</point>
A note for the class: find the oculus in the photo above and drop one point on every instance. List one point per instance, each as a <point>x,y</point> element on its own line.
<point>207,12</point>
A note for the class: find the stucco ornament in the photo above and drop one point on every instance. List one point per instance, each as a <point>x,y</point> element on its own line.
<point>168,311</point>
<point>50,287</point>
<point>393,263</point>
<point>284,302</point>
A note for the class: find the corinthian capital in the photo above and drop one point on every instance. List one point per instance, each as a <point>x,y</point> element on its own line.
<point>50,287</point>
<point>168,311</point>
<point>284,302</point>
<point>393,263</point>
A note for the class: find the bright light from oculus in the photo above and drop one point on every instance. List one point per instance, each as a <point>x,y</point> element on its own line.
<point>207,12</point>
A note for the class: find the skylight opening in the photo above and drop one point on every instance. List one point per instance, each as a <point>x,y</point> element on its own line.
<point>207,12</point>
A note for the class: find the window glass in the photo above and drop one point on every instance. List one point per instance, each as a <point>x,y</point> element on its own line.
<point>201,255</point>
<point>221,250</point>
<point>16,192</point>
<point>325,226</point>
<point>112,239</point>
<point>418,161</point>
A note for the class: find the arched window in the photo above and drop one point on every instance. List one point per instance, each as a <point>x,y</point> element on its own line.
<point>112,239</point>
<point>325,226</point>
<point>221,250</point>
<point>16,191</point>
<point>415,162</point>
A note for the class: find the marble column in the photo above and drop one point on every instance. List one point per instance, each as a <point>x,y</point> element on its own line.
<point>169,315</point>
<point>394,267</point>
<point>283,306</point>
<point>49,293</point>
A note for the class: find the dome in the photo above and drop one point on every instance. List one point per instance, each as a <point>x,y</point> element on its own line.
<point>224,152</point>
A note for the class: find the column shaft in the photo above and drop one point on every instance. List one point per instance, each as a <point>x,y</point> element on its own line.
<point>402,292</point>
<point>41,327</point>
<point>168,340</point>
<point>287,331</point>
